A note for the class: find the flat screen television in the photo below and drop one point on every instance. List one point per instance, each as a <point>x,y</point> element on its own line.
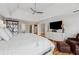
<point>56,25</point>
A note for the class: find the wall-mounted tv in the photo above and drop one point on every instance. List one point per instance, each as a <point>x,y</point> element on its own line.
<point>56,25</point>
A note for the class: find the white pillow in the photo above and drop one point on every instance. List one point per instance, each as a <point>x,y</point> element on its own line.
<point>3,34</point>
<point>8,32</point>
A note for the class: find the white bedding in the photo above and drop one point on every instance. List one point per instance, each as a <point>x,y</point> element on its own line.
<point>25,44</point>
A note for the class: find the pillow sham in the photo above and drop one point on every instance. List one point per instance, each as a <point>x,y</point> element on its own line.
<point>3,34</point>
<point>8,32</point>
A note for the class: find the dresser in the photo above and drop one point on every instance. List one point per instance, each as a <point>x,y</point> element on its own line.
<point>55,36</point>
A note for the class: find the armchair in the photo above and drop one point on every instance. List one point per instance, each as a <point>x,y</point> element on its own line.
<point>74,44</point>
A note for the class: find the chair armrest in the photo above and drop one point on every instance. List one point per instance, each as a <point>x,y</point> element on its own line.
<point>71,39</point>
<point>77,35</point>
<point>72,42</point>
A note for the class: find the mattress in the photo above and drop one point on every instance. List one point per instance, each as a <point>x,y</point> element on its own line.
<point>25,44</point>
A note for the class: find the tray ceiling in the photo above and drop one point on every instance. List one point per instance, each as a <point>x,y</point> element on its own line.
<point>22,10</point>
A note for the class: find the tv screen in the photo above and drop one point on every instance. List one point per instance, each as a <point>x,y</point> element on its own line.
<point>56,25</point>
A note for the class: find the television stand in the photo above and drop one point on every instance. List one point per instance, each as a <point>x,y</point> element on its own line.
<point>55,36</point>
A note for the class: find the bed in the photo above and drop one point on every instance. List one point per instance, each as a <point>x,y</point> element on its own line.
<point>25,44</point>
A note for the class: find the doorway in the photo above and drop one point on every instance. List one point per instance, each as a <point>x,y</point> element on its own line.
<point>35,29</point>
<point>43,29</point>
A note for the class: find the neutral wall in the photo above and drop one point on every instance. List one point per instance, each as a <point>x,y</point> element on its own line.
<point>47,21</point>
<point>70,24</point>
<point>2,25</point>
<point>22,25</point>
<point>27,25</point>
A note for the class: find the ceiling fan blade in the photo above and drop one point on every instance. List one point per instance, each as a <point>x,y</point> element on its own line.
<point>33,10</point>
<point>40,12</point>
<point>76,11</point>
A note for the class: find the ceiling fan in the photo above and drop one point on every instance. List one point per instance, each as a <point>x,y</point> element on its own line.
<point>75,11</point>
<point>35,11</point>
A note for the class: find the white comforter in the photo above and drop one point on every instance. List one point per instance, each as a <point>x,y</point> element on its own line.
<point>28,44</point>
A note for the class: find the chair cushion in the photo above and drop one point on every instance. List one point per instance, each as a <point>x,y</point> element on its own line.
<point>63,47</point>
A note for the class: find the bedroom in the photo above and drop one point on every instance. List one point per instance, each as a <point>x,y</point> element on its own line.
<point>27,28</point>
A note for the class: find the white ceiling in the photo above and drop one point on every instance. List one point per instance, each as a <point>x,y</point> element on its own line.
<point>22,11</point>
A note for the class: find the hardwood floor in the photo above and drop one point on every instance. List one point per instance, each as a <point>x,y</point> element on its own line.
<point>57,52</point>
